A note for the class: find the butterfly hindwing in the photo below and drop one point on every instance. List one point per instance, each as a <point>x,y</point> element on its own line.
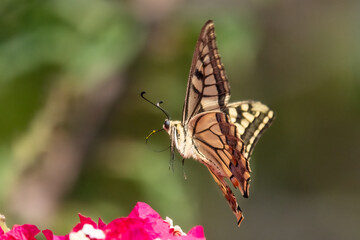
<point>251,119</point>
<point>208,88</point>
<point>229,195</point>
<point>217,140</point>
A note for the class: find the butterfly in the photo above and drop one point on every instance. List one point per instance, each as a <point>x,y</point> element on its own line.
<point>219,134</point>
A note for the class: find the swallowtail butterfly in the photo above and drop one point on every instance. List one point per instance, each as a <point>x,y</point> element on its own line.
<point>219,134</point>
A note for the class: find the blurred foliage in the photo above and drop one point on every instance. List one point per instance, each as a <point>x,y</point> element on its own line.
<point>301,58</point>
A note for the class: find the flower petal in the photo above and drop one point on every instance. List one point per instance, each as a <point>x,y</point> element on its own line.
<point>143,211</point>
<point>197,232</point>
<point>49,235</point>
<point>23,232</point>
<point>128,229</point>
<point>101,224</point>
<point>84,220</point>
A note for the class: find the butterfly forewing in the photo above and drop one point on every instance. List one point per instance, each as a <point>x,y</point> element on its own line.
<point>208,88</point>
<point>251,119</point>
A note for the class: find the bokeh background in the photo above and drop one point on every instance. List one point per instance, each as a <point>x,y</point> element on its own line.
<point>73,125</point>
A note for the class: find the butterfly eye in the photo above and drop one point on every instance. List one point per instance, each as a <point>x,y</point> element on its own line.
<point>166,124</point>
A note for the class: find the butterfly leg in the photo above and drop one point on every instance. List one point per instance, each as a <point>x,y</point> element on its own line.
<point>172,157</point>
<point>183,167</point>
<point>229,195</point>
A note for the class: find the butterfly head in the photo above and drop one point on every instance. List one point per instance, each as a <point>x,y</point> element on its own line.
<point>166,125</point>
<point>175,131</point>
<point>171,127</point>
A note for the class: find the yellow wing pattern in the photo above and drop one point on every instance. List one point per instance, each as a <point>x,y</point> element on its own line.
<point>251,119</point>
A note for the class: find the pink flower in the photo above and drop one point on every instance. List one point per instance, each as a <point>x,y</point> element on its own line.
<point>24,232</point>
<point>143,223</point>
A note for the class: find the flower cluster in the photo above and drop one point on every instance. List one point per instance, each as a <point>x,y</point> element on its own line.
<point>143,223</point>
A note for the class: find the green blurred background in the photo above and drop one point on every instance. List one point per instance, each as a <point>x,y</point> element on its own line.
<point>73,125</point>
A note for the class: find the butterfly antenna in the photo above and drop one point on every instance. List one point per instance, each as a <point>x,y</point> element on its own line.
<point>156,105</point>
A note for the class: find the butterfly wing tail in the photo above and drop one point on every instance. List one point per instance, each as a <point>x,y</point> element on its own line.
<point>230,197</point>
